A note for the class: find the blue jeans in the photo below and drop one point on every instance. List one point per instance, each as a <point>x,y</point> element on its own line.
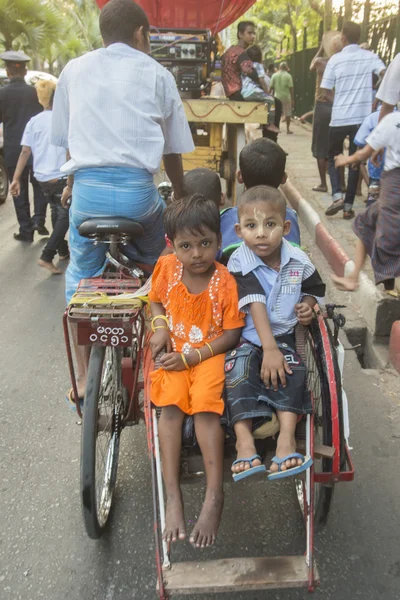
<point>337,135</point>
<point>112,192</point>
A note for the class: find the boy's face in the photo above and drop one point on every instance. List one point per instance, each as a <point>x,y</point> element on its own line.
<point>262,227</point>
<point>197,250</point>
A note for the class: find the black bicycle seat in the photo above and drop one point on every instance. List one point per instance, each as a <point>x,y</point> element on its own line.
<point>103,226</point>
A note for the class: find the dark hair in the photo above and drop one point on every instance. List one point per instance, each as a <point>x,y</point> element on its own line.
<point>263,193</point>
<point>254,53</point>
<point>262,162</point>
<point>119,20</point>
<point>352,32</point>
<point>271,67</point>
<point>243,25</point>
<point>203,181</point>
<point>16,70</point>
<point>191,214</point>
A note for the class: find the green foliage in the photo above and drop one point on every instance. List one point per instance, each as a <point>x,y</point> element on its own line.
<point>50,31</point>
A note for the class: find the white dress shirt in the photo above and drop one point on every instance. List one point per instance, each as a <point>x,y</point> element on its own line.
<point>387,135</point>
<point>389,90</point>
<point>47,159</point>
<point>117,106</point>
<point>349,72</point>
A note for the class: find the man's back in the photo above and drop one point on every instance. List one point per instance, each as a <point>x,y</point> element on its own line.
<point>282,82</point>
<point>18,104</point>
<point>349,73</point>
<point>231,69</point>
<point>116,106</point>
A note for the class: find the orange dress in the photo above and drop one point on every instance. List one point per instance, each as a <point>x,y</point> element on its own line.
<point>193,320</point>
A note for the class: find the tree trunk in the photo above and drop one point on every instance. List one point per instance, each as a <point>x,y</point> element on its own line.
<point>328,15</point>
<point>347,10</point>
<point>365,23</point>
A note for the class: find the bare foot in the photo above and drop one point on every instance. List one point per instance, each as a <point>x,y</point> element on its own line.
<point>245,451</point>
<point>273,128</point>
<point>289,132</point>
<point>320,188</point>
<point>286,445</point>
<point>345,284</point>
<point>175,520</point>
<point>49,266</point>
<point>205,532</point>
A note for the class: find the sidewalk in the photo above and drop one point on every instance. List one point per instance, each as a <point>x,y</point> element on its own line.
<point>333,235</point>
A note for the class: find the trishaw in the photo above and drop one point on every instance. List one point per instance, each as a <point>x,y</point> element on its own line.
<point>111,316</point>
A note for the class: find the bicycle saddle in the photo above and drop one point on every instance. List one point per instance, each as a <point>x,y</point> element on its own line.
<point>110,225</point>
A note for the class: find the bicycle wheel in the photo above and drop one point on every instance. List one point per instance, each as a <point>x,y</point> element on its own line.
<point>312,351</point>
<point>101,428</point>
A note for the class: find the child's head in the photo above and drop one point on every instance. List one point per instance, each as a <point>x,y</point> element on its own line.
<point>45,90</point>
<point>262,220</point>
<point>254,53</point>
<point>193,226</point>
<point>205,182</point>
<point>262,162</point>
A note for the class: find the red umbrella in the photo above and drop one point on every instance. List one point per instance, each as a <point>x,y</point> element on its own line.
<point>192,14</point>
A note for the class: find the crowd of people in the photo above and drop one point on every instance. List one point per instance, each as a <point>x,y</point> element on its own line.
<point>230,286</point>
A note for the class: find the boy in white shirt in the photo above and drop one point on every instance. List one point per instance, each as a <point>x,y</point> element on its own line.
<point>47,162</point>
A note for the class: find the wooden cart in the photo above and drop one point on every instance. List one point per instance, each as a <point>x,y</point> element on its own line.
<point>218,129</point>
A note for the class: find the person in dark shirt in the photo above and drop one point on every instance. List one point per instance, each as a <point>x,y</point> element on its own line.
<point>18,104</point>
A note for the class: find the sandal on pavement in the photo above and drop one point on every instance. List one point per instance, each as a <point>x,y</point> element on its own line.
<point>334,208</point>
<point>307,462</point>
<point>248,472</point>
<point>348,214</point>
<point>69,398</point>
<point>320,188</point>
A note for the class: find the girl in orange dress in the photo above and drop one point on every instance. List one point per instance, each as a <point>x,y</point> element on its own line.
<point>194,305</point>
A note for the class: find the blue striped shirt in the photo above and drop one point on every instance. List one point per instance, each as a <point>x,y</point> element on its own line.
<point>281,291</point>
<point>349,72</point>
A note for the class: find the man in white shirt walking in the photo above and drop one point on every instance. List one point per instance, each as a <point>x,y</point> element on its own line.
<point>119,113</point>
<point>349,74</point>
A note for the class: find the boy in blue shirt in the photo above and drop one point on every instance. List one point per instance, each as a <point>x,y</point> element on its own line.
<point>262,162</point>
<point>278,288</point>
<point>374,172</point>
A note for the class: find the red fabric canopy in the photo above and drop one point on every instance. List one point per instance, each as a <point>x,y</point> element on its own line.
<point>192,14</point>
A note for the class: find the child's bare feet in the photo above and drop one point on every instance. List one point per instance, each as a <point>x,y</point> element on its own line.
<point>245,451</point>
<point>49,266</point>
<point>205,532</point>
<point>345,284</point>
<point>286,445</point>
<point>175,528</point>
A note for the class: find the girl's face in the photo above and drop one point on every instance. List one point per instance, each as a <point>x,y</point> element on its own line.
<point>197,251</point>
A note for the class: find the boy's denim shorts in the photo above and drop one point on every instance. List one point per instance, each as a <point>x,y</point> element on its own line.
<point>246,394</point>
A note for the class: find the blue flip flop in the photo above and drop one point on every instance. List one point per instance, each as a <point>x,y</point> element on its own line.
<point>69,399</point>
<point>307,462</point>
<point>248,472</point>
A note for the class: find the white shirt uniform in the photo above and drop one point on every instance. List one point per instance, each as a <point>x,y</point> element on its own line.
<point>47,159</point>
<point>387,135</point>
<point>349,72</point>
<point>117,107</point>
<point>389,90</point>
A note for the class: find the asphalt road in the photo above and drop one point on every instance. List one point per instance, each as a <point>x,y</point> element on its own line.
<point>44,551</point>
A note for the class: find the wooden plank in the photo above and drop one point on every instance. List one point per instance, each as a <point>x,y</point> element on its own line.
<point>320,451</point>
<point>215,110</point>
<point>237,574</point>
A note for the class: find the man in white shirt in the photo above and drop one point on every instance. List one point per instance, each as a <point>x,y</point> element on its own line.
<point>389,90</point>
<point>349,73</point>
<point>119,113</point>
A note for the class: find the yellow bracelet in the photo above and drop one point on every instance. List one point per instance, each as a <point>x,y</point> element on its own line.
<point>159,327</point>
<point>185,362</point>
<point>210,349</point>
<point>159,317</point>
<point>200,357</point>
